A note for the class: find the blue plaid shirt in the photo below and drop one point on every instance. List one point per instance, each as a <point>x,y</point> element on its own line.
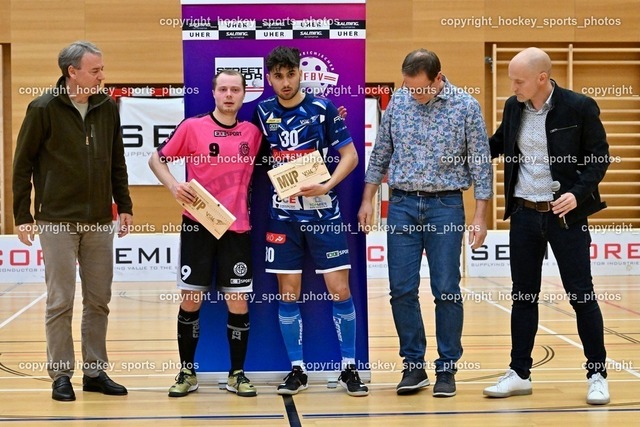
<point>438,146</point>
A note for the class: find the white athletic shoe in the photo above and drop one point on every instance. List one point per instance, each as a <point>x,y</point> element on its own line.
<point>509,385</point>
<point>598,393</point>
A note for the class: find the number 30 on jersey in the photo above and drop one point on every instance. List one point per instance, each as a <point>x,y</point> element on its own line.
<point>288,138</point>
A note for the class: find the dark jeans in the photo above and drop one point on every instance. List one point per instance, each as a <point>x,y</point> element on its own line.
<point>528,237</point>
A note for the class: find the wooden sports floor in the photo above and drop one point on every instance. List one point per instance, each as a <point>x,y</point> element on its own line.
<point>142,332</point>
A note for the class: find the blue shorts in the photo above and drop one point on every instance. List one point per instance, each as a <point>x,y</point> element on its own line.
<point>326,240</point>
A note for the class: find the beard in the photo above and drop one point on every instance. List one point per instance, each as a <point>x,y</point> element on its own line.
<point>291,94</point>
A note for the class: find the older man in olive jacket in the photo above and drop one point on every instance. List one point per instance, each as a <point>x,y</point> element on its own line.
<point>70,147</point>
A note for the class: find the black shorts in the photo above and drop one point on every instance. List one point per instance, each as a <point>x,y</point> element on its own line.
<point>200,252</point>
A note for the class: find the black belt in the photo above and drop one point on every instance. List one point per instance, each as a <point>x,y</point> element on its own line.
<point>425,193</point>
<point>537,206</point>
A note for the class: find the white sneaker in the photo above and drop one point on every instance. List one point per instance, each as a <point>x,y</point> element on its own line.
<point>598,393</point>
<point>509,385</point>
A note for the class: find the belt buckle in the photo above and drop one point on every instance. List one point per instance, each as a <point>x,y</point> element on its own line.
<point>543,206</point>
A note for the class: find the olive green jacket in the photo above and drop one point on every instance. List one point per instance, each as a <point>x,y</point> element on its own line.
<point>77,167</point>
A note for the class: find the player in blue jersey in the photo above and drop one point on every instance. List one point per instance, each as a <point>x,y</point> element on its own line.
<point>295,124</point>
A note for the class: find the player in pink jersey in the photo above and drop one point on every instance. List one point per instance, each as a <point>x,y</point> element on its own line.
<point>219,152</point>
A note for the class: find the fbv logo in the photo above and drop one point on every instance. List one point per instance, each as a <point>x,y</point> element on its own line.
<point>275,238</point>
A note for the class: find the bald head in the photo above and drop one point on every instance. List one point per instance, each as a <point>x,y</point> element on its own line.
<point>529,72</point>
<point>536,60</point>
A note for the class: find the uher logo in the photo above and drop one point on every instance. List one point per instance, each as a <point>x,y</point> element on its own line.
<point>276,238</point>
<point>317,73</point>
<point>251,68</point>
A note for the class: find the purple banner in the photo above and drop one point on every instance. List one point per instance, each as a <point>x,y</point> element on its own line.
<point>331,38</point>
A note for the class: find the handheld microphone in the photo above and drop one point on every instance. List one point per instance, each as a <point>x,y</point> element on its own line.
<point>555,189</point>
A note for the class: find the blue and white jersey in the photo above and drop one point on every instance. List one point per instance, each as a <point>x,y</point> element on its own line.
<point>314,124</point>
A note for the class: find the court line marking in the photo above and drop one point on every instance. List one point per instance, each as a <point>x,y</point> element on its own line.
<point>22,310</point>
<point>377,385</point>
<point>604,301</point>
<point>47,387</point>
<point>490,412</point>
<point>560,336</point>
<point>292,411</point>
<point>133,418</point>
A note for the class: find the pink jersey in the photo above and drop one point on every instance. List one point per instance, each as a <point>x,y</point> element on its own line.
<point>219,157</point>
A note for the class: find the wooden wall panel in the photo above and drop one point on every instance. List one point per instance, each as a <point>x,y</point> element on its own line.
<point>540,21</point>
<point>5,21</point>
<point>130,22</point>
<point>438,21</point>
<point>389,32</point>
<point>47,22</point>
<point>6,153</point>
<point>138,49</point>
<point>39,30</point>
<point>608,21</point>
<point>154,208</point>
<point>5,115</point>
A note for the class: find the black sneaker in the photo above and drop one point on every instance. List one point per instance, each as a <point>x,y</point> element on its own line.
<point>412,380</point>
<point>350,380</point>
<point>445,385</point>
<point>294,382</point>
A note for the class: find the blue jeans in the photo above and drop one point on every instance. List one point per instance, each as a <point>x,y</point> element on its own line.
<point>435,224</point>
<point>530,231</point>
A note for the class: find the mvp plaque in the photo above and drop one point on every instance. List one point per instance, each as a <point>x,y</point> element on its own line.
<point>306,170</point>
<point>208,211</point>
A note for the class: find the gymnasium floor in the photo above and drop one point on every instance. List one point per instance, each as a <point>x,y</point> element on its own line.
<point>559,382</point>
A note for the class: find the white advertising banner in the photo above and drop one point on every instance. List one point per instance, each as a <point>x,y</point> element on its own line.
<point>146,123</point>
<point>146,258</point>
<point>136,258</point>
<point>613,253</point>
<point>154,257</point>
